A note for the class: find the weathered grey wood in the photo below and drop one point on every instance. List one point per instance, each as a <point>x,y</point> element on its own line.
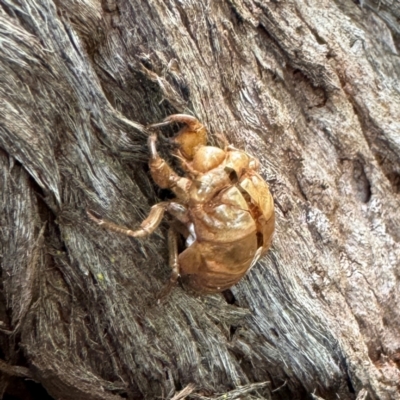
<point>311,87</point>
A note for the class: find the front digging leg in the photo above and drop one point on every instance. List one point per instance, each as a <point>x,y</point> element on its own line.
<point>190,137</point>
<point>163,175</point>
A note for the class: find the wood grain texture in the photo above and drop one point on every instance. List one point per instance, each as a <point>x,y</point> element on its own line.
<point>309,87</point>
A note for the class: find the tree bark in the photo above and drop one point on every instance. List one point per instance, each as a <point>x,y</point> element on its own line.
<point>310,87</point>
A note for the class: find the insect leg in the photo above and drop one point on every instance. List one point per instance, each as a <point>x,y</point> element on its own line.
<point>189,120</point>
<point>163,175</point>
<point>148,226</point>
<point>191,136</point>
<point>173,263</point>
<point>173,254</point>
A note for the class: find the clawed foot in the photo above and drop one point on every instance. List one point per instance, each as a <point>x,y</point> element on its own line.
<point>95,217</point>
<point>165,291</point>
